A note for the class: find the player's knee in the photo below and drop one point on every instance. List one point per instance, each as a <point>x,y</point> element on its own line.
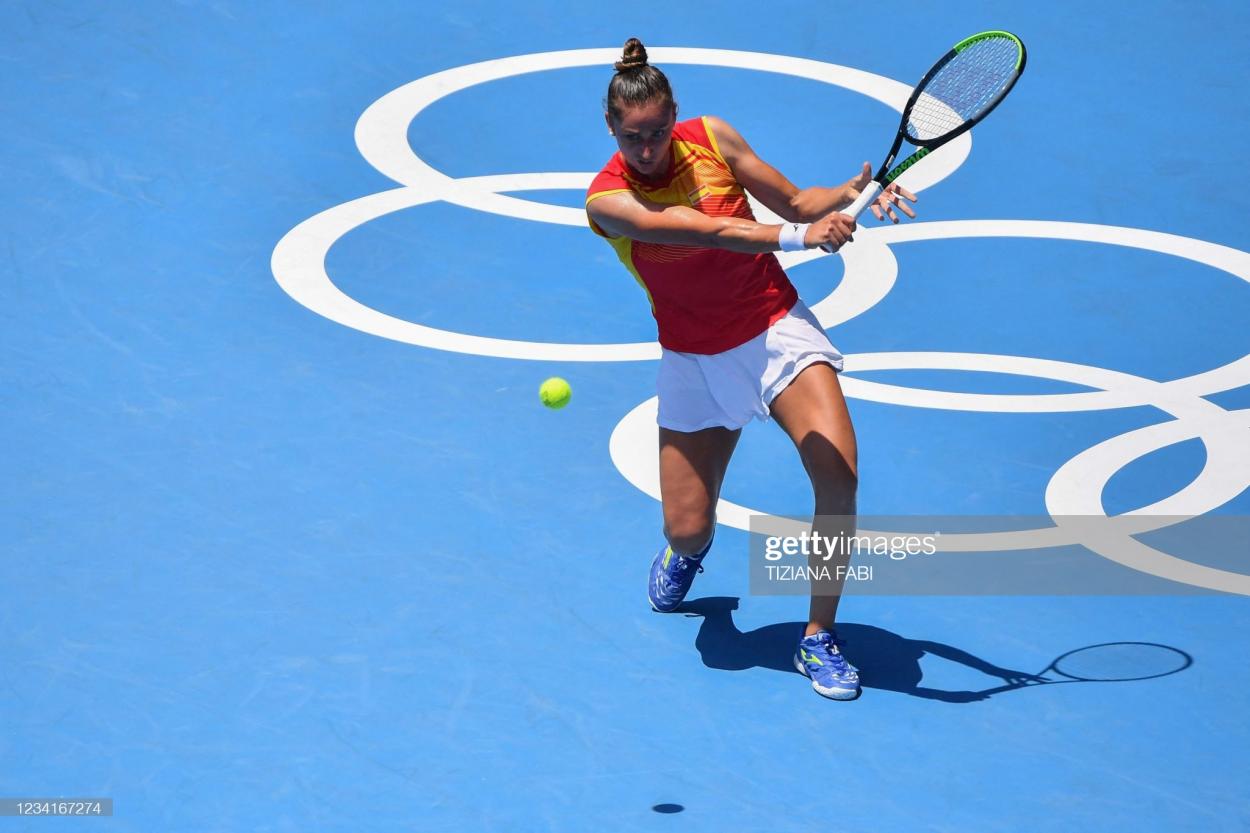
<point>689,532</point>
<point>826,465</point>
<point>835,491</point>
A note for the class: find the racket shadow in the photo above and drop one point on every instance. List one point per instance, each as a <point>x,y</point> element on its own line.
<point>886,660</point>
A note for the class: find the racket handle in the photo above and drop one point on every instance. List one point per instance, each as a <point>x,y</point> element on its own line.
<point>869,194</point>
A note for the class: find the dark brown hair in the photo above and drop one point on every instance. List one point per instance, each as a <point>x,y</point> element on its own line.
<point>636,82</point>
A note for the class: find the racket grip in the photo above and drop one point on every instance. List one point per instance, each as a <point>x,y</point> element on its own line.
<point>861,202</point>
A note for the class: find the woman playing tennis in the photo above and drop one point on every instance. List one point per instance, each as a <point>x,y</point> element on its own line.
<point>737,342</point>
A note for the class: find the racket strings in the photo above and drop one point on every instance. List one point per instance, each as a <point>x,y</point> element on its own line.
<point>966,86</point>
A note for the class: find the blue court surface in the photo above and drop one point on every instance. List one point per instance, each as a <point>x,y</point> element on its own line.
<point>291,544</point>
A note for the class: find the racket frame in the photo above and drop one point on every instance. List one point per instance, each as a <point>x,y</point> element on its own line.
<point>885,174</point>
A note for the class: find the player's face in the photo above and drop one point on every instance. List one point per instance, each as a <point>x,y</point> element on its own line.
<point>644,133</point>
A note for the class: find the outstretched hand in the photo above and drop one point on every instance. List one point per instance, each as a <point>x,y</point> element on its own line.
<point>891,197</point>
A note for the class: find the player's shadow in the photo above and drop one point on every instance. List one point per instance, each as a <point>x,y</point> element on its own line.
<point>885,659</point>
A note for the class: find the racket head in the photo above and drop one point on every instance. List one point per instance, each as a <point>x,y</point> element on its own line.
<point>963,87</point>
<point>1121,662</point>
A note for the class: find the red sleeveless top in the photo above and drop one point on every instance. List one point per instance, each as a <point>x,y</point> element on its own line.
<point>704,300</point>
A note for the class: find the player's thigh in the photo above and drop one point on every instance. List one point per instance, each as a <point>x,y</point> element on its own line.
<point>812,411</point>
<point>692,469</point>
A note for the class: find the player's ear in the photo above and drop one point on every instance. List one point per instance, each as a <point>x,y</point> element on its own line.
<point>607,117</point>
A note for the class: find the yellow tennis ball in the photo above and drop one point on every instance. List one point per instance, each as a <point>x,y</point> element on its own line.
<point>555,392</point>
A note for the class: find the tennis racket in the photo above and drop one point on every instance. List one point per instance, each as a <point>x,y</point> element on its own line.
<point>963,87</point>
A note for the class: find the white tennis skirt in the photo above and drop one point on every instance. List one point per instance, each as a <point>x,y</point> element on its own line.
<point>730,389</point>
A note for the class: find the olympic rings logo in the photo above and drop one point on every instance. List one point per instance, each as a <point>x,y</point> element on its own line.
<point>1076,487</point>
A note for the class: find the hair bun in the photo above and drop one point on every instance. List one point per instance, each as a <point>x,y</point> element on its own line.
<point>633,56</point>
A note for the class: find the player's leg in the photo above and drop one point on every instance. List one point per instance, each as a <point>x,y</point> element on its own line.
<point>692,469</point>
<point>813,412</point>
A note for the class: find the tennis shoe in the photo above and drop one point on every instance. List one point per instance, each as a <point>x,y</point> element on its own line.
<point>820,658</point>
<point>671,577</point>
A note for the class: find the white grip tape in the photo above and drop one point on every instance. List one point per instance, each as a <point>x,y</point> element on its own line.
<point>870,193</point>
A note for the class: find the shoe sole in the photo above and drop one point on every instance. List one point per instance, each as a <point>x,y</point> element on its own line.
<point>831,693</point>
<point>655,609</point>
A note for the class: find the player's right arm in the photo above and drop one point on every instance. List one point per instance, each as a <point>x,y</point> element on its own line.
<point>626,214</point>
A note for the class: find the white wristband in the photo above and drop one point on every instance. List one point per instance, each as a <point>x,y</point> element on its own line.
<point>790,238</point>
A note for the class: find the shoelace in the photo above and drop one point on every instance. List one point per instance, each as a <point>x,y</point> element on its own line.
<point>833,647</point>
<point>680,568</point>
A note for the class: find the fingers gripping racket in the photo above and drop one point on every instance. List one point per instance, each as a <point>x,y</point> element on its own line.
<point>963,87</point>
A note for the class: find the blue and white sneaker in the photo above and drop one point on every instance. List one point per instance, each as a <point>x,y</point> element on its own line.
<point>671,577</point>
<point>832,676</point>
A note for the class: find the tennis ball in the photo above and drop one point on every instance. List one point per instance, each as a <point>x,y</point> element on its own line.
<point>555,392</point>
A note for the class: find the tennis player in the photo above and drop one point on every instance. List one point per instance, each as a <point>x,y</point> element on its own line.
<point>737,342</point>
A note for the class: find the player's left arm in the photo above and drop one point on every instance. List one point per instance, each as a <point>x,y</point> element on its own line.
<point>788,201</point>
